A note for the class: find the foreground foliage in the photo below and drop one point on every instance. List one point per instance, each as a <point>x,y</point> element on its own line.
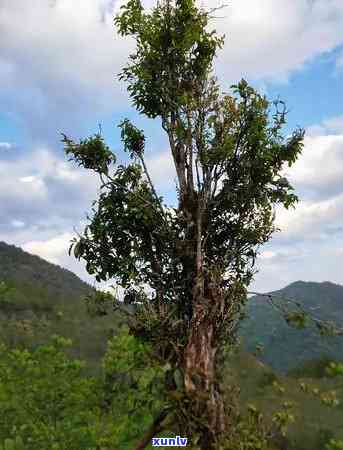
<point>47,403</point>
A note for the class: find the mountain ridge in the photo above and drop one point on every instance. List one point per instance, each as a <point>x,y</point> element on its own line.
<point>46,289</point>
<point>286,347</point>
<point>19,266</point>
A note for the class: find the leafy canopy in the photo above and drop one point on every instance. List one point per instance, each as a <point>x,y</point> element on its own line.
<point>197,260</point>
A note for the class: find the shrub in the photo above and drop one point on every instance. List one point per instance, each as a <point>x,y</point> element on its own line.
<point>267,379</point>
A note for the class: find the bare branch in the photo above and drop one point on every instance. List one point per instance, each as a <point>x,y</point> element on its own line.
<point>190,180</point>
<point>197,173</point>
<point>318,322</point>
<point>153,188</point>
<point>145,201</point>
<point>212,10</point>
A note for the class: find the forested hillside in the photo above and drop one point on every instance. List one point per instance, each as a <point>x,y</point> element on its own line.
<point>23,268</point>
<point>284,346</point>
<point>46,300</point>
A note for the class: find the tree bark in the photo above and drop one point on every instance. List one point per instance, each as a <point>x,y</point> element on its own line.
<point>200,372</point>
<point>201,385</point>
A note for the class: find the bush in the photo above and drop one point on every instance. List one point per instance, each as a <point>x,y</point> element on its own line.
<point>324,437</point>
<point>312,369</point>
<point>267,379</point>
<point>44,400</point>
<point>47,403</point>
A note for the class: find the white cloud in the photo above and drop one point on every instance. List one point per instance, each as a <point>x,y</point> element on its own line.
<point>317,178</point>
<point>29,179</point>
<point>52,249</point>
<point>18,223</point>
<point>13,192</point>
<point>58,67</point>
<point>162,170</point>
<point>319,170</point>
<point>32,182</point>
<point>62,59</point>
<point>310,244</point>
<point>310,220</point>
<point>269,39</point>
<point>331,126</point>
<point>5,146</point>
<point>334,125</point>
<point>317,262</point>
<point>48,194</point>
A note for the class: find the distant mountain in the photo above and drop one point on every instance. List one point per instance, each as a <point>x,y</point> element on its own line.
<point>46,299</point>
<point>22,268</point>
<point>286,347</point>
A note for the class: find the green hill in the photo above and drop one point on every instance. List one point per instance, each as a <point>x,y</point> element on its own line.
<point>23,268</point>
<point>46,299</point>
<point>286,347</point>
<point>39,289</point>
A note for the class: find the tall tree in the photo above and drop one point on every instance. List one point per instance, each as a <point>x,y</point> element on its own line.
<point>197,259</point>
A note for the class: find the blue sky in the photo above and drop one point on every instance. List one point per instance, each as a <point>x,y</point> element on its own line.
<point>58,62</point>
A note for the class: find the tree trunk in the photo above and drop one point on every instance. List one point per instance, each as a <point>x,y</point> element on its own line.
<point>201,384</point>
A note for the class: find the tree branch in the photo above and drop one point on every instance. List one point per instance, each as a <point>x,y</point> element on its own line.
<point>152,187</point>
<point>121,308</point>
<point>113,181</point>
<point>318,322</point>
<point>190,180</point>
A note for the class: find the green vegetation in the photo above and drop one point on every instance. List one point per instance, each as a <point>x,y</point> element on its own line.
<point>171,369</point>
<point>314,419</point>
<point>32,311</point>
<point>46,279</point>
<point>197,260</point>
<point>48,403</point>
<point>50,400</point>
<point>44,401</point>
<point>285,348</point>
<point>316,368</point>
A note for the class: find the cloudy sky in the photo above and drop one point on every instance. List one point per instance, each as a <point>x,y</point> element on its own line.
<point>58,65</point>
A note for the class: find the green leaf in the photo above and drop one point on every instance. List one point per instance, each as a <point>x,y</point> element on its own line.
<point>77,249</point>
